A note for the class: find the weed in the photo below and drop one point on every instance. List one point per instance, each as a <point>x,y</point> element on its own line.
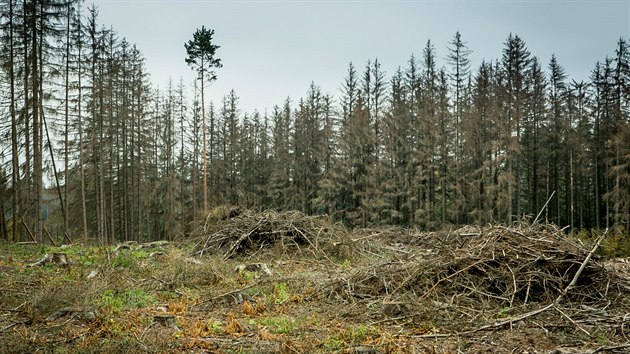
<point>18,251</point>
<point>128,258</point>
<point>248,275</point>
<point>129,299</point>
<point>281,293</point>
<point>332,344</point>
<point>253,291</point>
<point>216,327</point>
<point>140,254</point>
<point>360,333</point>
<point>504,312</point>
<point>122,261</point>
<point>280,325</point>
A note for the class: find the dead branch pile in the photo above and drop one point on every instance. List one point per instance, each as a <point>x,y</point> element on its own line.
<point>249,231</point>
<point>492,267</point>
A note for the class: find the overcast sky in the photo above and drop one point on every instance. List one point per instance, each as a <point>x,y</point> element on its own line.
<point>274,49</point>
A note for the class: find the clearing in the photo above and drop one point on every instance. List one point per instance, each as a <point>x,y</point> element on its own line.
<point>267,282</point>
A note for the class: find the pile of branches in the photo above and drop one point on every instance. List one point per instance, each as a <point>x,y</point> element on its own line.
<point>495,266</point>
<point>247,232</point>
<point>475,280</point>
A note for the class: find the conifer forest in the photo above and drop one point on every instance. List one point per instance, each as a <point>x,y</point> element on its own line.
<point>91,149</point>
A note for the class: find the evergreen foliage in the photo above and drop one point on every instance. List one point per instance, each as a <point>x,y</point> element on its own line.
<point>428,147</point>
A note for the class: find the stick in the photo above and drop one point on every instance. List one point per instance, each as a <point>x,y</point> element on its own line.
<point>510,320</point>
<point>582,266</point>
<point>29,232</point>
<point>439,281</point>
<point>543,208</point>
<point>489,326</point>
<point>614,347</point>
<point>435,335</point>
<point>235,245</point>
<point>65,235</point>
<point>574,323</point>
<point>49,236</point>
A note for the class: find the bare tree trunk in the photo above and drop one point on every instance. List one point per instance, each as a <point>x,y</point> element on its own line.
<point>203,136</point>
<point>572,207</point>
<point>26,198</point>
<point>37,152</point>
<point>139,222</point>
<point>124,213</point>
<point>101,176</point>
<point>81,148</point>
<point>182,176</point>
<point>66,119</point>
<point>15,173</point>
<point>112,133</point>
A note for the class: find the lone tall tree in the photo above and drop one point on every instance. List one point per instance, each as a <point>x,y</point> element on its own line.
<point>201,57</point>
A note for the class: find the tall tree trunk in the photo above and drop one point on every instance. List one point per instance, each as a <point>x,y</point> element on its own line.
<point>203,137</point>
<point>37,152</point>
<point>27,186</point>
<point>81,146</point>
<point>182,176</point>
<point>124,213</point>
<point>15,173</point>
<point>571,186</point>
<point>67,119</point>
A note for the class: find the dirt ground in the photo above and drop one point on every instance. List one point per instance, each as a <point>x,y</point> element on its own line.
<point>287,283</point>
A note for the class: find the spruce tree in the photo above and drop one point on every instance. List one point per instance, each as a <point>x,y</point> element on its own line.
<point>201,54</point>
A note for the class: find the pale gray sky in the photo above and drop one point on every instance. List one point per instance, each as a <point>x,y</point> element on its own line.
<point>274,49</point>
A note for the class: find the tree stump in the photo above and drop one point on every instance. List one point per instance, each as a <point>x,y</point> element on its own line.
<point>166,321</point>
<point>60,259</point>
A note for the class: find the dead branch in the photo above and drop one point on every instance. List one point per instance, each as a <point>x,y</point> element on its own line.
<point>543,208</point>
<point>581,269</point>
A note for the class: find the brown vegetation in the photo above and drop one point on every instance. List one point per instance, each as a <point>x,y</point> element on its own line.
<point>272,282</point>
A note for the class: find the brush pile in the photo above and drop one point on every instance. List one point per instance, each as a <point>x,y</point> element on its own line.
<point>496,264</point>
<point>478,275</point>
<point>245,233</point>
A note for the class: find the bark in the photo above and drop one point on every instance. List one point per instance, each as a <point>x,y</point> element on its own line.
<point>15,173</point>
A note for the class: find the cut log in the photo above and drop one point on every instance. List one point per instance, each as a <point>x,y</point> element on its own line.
<point>85,313</point>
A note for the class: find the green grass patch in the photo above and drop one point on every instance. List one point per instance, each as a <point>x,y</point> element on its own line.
<point>216,327</point>
<point>125,300</point>
<point>359,333</point>
<point>127,259</point>
<point>281,293</point>
<point>280,325</point>
<point>333,344</point>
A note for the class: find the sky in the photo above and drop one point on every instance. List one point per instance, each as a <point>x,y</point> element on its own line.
<point>272,50</point>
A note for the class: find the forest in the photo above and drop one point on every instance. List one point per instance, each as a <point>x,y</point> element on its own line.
<point>91,149</point>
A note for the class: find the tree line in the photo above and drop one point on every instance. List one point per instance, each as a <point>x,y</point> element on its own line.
<point>428,146</point>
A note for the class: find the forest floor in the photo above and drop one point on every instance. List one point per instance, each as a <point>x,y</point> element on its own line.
<point>270,282</point>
